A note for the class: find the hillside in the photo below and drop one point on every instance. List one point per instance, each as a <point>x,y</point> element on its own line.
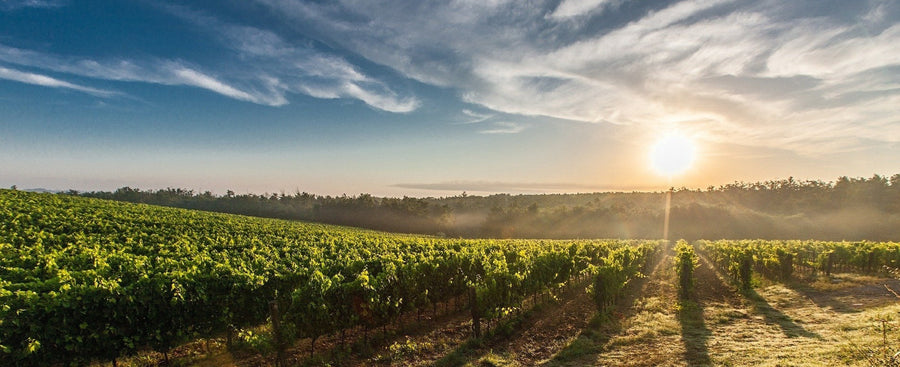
<point>846,209</point>
<point>86,279</point>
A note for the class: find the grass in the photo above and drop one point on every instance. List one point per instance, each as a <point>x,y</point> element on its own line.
<point>587,344</point>
<point>824,321</point>
<point>654,320</point>
<point>492,359</point>
<point>784,328</point>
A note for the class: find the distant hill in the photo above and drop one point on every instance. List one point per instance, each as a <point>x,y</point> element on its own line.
<point>845,209</point>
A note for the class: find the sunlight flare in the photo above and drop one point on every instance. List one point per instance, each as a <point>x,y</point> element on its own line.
<point>673,154</point>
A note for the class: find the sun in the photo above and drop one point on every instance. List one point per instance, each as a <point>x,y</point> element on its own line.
<point>672,155</point>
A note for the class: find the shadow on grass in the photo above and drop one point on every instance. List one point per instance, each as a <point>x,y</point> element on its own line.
<point>874,293</point>
<point>461,355</point>
<point>773,316</point>
<point>585,349</point>
<point>476,348</point>
<point>493,339</point>
<point>820,298</point>
<point>694,334</point>
<point>590,343</point>
<point>759,304</point>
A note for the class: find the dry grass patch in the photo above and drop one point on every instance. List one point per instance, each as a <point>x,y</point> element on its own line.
<point>826,322</point>
<point>654,319</point>
<point>787,327</point>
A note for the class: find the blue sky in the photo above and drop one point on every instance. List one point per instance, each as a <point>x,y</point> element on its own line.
<point>432,98</point>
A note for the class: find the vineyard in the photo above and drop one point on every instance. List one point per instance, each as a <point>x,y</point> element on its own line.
<point>93,281</point>
<point>86,279</point>
<point>780,260</point>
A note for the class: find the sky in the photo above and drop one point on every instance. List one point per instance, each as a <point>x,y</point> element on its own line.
<point>433,98</point>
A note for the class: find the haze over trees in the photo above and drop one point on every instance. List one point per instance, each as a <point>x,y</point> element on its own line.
<point>845,209</point>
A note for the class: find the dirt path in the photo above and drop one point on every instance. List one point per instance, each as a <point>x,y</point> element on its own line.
<point>649,333</point>
<point>626,335</point>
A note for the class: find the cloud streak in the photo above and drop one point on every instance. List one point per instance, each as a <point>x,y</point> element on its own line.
<point>259,67</point>
<point>19,4</point>
<point>504,127</point>
<point>192,77</point>
<point>574,8</point>
<point>46,81</point>
<point>475,117</point>
<point>165,72</point>
<point>725,70</point>
<point>298,68</point>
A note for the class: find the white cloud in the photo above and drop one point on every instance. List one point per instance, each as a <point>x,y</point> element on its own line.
<point>263,69</point>
<point>381,101</point>
<point>475,117</point>
<point>573,8</point>
<point>165,72</point>
<point>834,52</point>
<point>504,127</point>
<point>18,4</point>
<point>298,68</point>
<point>192,77</point>
<point>654,69</point>
<point>770,73</point>
<point>46,81</point>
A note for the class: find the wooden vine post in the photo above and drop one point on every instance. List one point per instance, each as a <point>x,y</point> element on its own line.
<point>476,317</point>
<point>276,332</point>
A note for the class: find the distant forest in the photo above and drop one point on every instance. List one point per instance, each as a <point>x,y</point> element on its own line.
<point>845,209</point>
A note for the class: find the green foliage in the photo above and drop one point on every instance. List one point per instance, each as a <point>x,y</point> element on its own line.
<point>685,263</point>
<point>261,343</point>
<point>399,350</point>
<point>620,265</point>
<point>86,279</point>
<point>785,265</point>
<point>778,260</point>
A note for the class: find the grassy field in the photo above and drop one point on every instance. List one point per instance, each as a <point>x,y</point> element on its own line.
<point>824,321</point>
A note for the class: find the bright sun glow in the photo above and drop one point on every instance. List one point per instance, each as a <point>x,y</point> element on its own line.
<point>672,155</point>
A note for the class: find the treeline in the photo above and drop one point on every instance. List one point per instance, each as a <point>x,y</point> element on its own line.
<point>845,209</point>
<point>408,214</point>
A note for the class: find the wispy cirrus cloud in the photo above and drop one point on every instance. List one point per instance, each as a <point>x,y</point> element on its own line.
<point>573,8</point>
<point>261,67</point>
<point>155,71</point>
<point>19,4</point>
<point>47,81</point>
<point>504,127</point>
<point>298,67</point>
<point>195,78</point>
<point>767,73</point>
<point>473,117</point>
<point>770,73</point>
